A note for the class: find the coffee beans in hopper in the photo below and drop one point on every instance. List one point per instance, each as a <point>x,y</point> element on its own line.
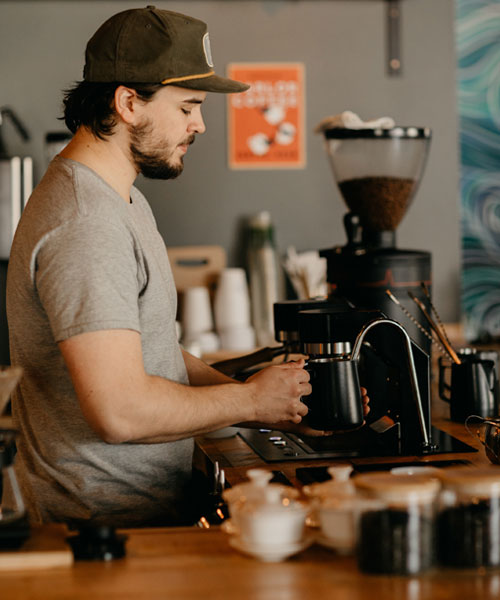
<point>380,202</point>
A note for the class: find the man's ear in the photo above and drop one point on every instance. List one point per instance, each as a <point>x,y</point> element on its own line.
<point>126,103</point>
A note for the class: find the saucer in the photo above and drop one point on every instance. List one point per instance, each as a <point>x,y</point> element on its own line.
<point>229,527</point>
<point>274,553</point>
<point>327,542</point>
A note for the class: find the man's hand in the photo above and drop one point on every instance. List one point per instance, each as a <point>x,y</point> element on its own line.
<point>366,401</point>
<point>303,429</point>
<point>277,391</point>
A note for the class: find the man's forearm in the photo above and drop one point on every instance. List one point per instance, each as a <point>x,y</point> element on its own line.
<point>200,373</point>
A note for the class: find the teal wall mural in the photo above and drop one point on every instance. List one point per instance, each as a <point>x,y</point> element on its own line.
<point>478,54</point>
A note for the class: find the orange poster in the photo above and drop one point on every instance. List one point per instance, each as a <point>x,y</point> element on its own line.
<point>266,123</point>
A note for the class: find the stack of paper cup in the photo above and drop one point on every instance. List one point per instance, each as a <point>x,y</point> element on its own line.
<point>197,321</point>
<point>232,311</point>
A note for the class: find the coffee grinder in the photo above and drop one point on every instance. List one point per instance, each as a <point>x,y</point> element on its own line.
<point>378,172</point>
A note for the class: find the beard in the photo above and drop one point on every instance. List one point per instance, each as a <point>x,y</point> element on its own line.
<point>151,158</point>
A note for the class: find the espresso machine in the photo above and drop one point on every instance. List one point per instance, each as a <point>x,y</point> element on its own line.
<point>334,333</point>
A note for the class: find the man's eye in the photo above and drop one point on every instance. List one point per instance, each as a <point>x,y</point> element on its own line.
<point>185,111</point>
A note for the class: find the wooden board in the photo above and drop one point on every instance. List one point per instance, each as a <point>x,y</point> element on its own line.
<point>196,265</point>
<point>45,548</point>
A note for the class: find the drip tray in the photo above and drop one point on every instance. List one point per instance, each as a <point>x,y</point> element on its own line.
<point>276,446</point>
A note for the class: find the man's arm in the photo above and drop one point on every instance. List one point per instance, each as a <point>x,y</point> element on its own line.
<point>122,403</point>
<point>202,374</point>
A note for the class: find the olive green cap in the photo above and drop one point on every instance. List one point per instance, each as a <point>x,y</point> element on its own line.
<point>149,45</point>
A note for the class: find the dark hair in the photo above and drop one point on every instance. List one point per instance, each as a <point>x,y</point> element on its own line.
<point>92,105</point>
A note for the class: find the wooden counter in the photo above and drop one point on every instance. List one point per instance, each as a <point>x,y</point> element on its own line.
<point>185,564</point>
<point>193,563</point>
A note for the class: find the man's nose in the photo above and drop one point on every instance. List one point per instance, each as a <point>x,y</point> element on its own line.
<point>197,125</point>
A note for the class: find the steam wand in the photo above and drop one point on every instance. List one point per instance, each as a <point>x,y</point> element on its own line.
<point>427,445</point>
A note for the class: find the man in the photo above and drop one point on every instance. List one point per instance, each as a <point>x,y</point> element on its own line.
<point>109,402</point>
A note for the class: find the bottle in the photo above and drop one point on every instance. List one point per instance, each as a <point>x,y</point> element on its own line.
<point>265,276</point>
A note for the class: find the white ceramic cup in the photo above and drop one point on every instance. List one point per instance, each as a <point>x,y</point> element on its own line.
<point>268,528</point>
<point>337,524</point>
<point>196,312</point>
<point>232,300</point>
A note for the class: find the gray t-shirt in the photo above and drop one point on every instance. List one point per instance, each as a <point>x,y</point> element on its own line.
<point>84,260</point>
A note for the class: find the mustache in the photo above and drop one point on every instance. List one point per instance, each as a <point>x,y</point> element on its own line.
<point>188,141</point>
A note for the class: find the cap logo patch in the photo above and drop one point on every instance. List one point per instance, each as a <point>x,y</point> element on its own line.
<point>207,50</point>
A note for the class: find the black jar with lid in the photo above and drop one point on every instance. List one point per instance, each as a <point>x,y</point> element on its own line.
<point>396,531</point>
<point>469,517</point>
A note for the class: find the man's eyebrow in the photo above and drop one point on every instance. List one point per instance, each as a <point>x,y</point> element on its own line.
<point>193,101</point>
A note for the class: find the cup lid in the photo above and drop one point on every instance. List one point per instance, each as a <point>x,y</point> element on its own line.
<point>337,488</point>
<point>259,491</point>
<point>398,489</point>
<point>482,481</point>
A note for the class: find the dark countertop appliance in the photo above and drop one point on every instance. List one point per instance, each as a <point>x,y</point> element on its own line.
<point>377,172</point>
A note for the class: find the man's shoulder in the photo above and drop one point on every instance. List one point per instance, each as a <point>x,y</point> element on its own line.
<point>89,190</point>
<point>70,190</point>
<point>69,204</point>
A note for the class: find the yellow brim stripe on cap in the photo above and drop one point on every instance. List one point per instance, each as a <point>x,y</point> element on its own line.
<point>187,78</point>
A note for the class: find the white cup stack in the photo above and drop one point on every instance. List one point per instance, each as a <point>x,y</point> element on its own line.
<point>197,321</point>
<point>232,311</point>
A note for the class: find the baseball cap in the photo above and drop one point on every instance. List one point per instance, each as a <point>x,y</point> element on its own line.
<point>149,45</point>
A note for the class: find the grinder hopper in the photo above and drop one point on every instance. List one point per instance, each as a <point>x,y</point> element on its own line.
<point>378,172</point>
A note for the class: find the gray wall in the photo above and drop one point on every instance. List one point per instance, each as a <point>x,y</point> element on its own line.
<point>342,44</point>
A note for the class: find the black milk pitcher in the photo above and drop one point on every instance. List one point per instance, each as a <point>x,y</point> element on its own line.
<point>473,386</point>
<point>335,403</point>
